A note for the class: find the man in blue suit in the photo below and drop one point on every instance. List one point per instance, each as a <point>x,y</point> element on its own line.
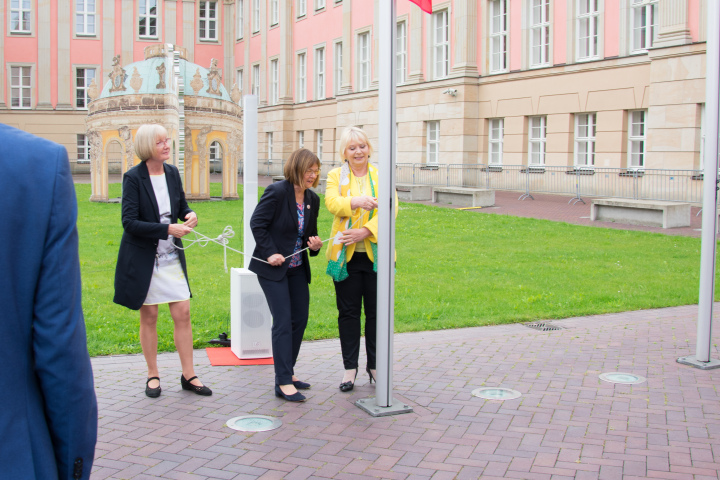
<point>48,409</point>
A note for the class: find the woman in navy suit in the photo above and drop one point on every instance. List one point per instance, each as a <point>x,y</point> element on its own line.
<point>284,225</point>
<point>150,271</point>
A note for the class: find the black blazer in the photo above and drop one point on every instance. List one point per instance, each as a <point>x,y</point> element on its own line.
<point>274,225</point>
<point>141,221</point>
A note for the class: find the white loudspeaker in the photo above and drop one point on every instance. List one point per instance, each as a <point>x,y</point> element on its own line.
<point>250,319</point>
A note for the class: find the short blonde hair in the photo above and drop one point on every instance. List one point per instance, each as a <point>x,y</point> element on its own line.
<point>301,161</point>
<point>146,137</point>
<point>350,134</point>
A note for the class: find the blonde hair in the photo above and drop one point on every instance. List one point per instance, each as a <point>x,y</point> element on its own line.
<point>350,134</point>
<point>145,139</point>
<point>301,161</point>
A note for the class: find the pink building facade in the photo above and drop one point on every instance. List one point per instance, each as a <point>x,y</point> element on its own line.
<point>569,83</point>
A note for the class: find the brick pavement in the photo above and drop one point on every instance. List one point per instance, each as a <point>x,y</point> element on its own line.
<point>566,425</point>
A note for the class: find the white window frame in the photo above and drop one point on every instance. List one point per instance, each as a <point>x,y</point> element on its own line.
<point>587,28</point>
<point>301,138</point>
<point>539,33</point>
<point>642,33</point>
<point>496,137</point>
<point>269,137</point>
<point>148,20</point>
<point>319,4</point>
<point>301,8</point>
<point>401,53</point>
<point>274,12</point>
<point>255,85</point>
<point>338,65</point>
<point>301,80</point>
<point>585,132</point>
<point>432,139</point>
<point>239,78</point>
<point>498,41</point>
<point>240,15</point>
<point>83,149</point>
<point>255,16</point>
<point>274,81</point>
<point>441,44</point>
<point>82,84</point>
<point>85,17</point>
<point>537,137</point>
<point>21,87</point>
<point>21,17</point>
<point>215,152</point>
<point>363,61</point>
<point>208,23</point>
<point>319,79</point>
<point>319,143</point>
<point>637,139</point>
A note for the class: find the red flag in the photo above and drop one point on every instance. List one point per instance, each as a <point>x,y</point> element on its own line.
<point>425,5</point>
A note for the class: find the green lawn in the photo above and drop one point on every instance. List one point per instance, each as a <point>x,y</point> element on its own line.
<point>455,269</point>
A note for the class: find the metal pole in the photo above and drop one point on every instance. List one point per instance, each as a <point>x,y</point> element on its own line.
<point>709,219</point>
<point>383,404</point>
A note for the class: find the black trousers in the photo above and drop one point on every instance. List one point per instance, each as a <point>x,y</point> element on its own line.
<point>356,291</point>
<point>289,302</point>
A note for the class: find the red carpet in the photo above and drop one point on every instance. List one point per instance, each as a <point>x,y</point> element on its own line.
<point>225,356</point>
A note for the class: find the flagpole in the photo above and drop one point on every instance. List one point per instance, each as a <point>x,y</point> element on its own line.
<point>383,403</point>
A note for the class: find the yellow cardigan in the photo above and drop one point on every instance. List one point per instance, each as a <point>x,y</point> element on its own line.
<point>339,206</point>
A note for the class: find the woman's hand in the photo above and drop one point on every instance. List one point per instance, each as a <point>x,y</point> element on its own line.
<point>354,235</point>
<point>276,260</point>
<point>191,220</point>
<point>314,243</point>
<point>179,230</point>
<point>365,202</point>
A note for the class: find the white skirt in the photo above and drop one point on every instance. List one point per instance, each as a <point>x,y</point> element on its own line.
<point>168,283</point>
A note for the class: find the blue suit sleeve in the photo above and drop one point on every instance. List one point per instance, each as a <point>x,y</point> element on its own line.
<point>62,364</point>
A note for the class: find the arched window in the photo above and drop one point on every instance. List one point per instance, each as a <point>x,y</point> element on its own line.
<point>216,157</point>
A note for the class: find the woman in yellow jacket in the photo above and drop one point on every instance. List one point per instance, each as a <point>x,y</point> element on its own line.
<point>351,196</point>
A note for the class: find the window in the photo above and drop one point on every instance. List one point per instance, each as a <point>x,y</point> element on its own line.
<point>433,142</point>
<point>301,139</point>
<point>319,73</point>
<point>208,20</point>
<point>536,141</point>
<point>401,53</point>
<point>20,87</point>
<point>587,29</point>
<point>269,145</point>
<point>274,82</point>
<point>255,87</point>
<point>20,11</point>
<point>256,16</point>
<point>363,59</point>
<point>239,79</point>
<point>216,157</point>
<point>644,24</point>
<point>585,139</point>
<point>636,139</point>
<point>240,15</point>
<point>85,17</point>
<point>441,44</point>
<point>148,17</point>
<point>338,67</point>
<point>274,11</point>
<point>540,33</point>
<point>83,78</point>
<point>319,4</point>
<point>498,36</point>
<point>301,94</point>
<point>319,143</point>
<point>301,8</point>
<point>83,149</point>
<point>495,141</point>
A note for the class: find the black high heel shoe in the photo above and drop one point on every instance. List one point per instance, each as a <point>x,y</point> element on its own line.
<point>369,372</point>
<point>199,389</point>
<point>295,397</point>
<point>152,392</point>
<point>347,386</point>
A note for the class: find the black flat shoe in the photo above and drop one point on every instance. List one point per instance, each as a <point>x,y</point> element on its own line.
<point>152,392</point>
<point>349,385</point>
<point>295,397</point>
<point>369,372</point>
<point>301,385</point>
<point>200,390</point>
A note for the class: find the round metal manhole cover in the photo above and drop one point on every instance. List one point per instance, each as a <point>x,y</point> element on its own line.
<point>493,393</point>
<point>254,423</point>
<point>621,377</point>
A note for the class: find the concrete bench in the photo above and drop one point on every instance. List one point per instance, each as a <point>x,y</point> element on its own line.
<point>649,213</point>
<point>319,189</point>
<point>409,193</point>
<point>463,196</point>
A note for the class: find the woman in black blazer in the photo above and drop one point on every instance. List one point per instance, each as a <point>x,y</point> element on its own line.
<point>150,271</point>
<point>284,223</point>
